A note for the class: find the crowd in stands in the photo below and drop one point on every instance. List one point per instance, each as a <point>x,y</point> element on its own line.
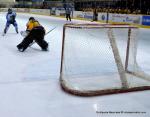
<point>116,6</point>
<point>117,10</point>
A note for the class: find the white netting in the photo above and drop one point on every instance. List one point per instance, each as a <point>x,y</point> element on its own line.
<point>130,48</point>
<point>138,63</point>
<point>93,58</point>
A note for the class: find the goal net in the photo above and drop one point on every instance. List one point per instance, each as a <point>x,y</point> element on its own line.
<point>100,59</point>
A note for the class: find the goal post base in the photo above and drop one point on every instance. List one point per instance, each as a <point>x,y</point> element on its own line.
<point>91,93</point>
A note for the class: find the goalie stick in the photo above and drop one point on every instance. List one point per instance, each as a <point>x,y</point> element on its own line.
<point>50,30</point>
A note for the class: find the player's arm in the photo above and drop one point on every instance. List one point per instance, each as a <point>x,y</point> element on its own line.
<point>7,17</point>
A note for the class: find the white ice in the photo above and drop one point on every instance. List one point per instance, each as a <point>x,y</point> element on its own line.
<point>29,81</point>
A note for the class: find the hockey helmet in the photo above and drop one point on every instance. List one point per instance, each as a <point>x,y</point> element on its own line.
<point>31,18</point>
<point>9,10</point>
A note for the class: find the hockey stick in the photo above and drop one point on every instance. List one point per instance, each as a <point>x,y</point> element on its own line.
<point>50,30</point>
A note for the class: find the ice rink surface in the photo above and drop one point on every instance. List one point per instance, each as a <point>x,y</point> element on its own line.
<point>29,81</point>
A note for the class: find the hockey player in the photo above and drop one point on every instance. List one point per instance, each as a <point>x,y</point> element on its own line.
<point>36,32</point>
<point>11,19</point>
<point>68,13</point>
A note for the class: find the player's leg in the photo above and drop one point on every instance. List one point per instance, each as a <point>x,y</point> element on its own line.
<point>16,26</point>
<point>25,43</point>
<point>6,27</point>
<point>39,39</point>
<point>42,43</point>
<point>69,17</point>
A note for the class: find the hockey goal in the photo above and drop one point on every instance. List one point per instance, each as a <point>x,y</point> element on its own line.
<point>99,59</point>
